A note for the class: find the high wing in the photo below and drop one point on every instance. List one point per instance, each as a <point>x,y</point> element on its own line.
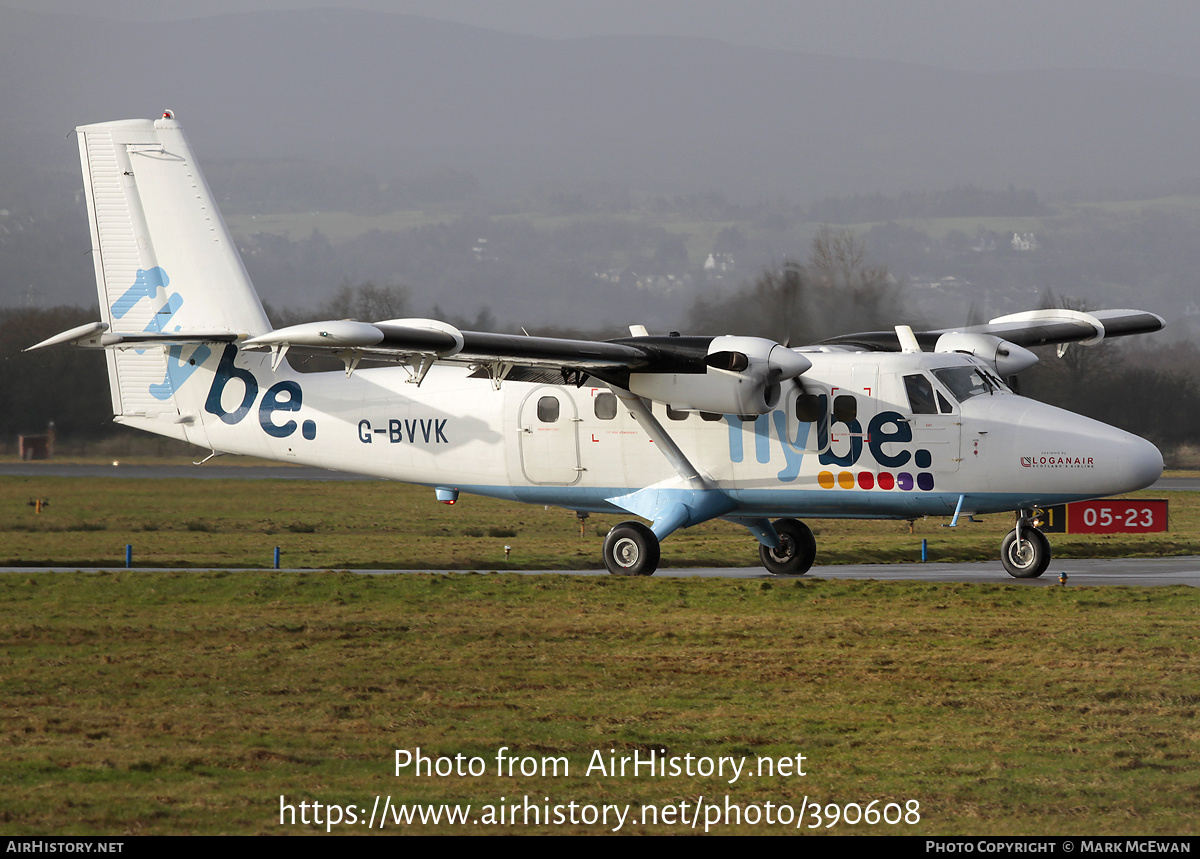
<point>407,340</point>
<point>422,342</point>
<point>1032,328</point>
<point>724,374</point>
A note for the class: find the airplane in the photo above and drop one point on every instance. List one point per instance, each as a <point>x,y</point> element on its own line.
<point>676,430</point>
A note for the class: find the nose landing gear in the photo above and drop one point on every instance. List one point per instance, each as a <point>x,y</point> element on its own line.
<point>1025,551</point>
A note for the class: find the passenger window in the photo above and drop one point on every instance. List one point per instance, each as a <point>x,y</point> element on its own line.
<point>808,408</point>
<point>605,406</point>
<point>676,416</point>
<point>845,408</point>
<point>920,395</point>
<point>547,410</point>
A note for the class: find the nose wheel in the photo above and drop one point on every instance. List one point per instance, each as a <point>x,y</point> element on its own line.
<point>1025,552</point>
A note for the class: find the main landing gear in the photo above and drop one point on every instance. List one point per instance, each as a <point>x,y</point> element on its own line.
<point>795,553</point>
<point>1025,551</point>
<point>631,549</point>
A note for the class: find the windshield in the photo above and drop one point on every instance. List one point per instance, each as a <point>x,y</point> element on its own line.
<point>966,382</point>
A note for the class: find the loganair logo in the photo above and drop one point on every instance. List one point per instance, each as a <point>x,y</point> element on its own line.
<point>278,400</point>
<point>898,468</point>
<point>1057,459</point>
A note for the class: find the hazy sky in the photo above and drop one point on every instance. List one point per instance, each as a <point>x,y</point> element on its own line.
<point>1150,35</point>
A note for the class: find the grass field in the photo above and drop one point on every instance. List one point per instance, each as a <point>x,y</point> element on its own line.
<point>172,702</point>
<point>191,702</point>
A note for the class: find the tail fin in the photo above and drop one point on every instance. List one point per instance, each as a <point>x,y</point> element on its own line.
<point>166,267</point>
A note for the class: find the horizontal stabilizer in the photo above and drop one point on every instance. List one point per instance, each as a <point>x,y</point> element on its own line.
<point>94,335</point>
<point>82,335</point>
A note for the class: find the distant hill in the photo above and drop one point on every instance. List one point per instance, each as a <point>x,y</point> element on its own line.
<point>405,96</point>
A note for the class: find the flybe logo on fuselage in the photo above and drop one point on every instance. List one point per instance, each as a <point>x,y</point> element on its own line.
<point>282,397</point>
<point>883,434</point>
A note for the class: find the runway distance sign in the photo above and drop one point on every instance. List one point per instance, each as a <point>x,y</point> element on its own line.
<point>1108,516</point>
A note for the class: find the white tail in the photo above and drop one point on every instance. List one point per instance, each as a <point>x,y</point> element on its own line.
<point>165,265</point>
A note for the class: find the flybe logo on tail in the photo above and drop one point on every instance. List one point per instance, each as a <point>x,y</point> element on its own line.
<point>279,399</point>
<point>146,284</point>
<point>178,370</point>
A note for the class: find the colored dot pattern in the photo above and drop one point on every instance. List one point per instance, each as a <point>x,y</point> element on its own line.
<point>904,481</point>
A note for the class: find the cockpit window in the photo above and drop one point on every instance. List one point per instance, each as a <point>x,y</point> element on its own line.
<point>966,382</point>
<point>920,395</point>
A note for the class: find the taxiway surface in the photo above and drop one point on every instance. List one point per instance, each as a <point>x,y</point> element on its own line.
<point>1126,572</point>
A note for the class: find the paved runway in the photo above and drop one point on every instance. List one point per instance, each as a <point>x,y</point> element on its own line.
<point>1130,572</point>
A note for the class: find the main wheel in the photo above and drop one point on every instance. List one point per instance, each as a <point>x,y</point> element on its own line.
<point>631,549</point>
<point>796,551</point>
<point>1028,557</point>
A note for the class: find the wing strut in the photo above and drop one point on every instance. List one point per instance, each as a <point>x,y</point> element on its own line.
<point>668,505</point>
<point>645,417</point>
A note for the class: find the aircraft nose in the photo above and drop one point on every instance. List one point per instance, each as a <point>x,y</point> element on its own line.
<point>1054,444</point>
<point>1142,465</point>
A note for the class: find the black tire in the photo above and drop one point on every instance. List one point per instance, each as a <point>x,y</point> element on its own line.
<point>796,553</point>
<point>1027,558</point>
<point>631,549</point>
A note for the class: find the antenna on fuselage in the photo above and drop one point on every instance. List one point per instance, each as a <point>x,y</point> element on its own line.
<point>908,340</point>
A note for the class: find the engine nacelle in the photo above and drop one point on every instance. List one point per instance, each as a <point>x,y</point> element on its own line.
<point>716,392</point>
<point>1006,358</point>
<point>742,376</point>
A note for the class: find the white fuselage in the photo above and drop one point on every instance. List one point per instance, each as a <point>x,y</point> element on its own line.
<point>574,447</point>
